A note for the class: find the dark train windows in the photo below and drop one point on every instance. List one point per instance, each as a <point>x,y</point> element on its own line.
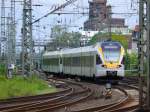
<point>52,61</point>
<point>55,61</point>
<point>67,61</point>
<point>45,62</point>
<point>86,61</point>
<point>123,60</point>
<point>76,61</point>
<point>98,60</point>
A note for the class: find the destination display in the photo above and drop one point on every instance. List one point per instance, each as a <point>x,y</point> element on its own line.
<point>111,46</point>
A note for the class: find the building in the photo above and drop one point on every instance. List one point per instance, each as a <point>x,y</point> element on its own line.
<point>136,33</point>
<point>97,15</point>
<point>117,22</point>
<point>99,19</point>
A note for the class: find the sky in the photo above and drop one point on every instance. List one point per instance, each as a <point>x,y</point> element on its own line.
<point>42,29</point>
<point>118,6</point>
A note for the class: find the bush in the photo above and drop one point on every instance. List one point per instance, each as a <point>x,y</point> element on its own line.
<point>131,63</point>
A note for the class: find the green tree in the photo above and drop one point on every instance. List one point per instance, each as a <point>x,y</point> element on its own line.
<point>63,38</point>
<point>75,39</point>
<point>122,39</point>
<point>99,37</point>
<point>127,61</point>
<point>115,37</point>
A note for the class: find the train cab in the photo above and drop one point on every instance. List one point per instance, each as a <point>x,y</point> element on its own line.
<point>111,54</point>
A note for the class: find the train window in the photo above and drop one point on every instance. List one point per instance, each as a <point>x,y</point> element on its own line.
<point>64,61</point>
<point>46,61</point>
<point>67,61</point>
<point>91,61</point>
<point>83,61</point>
<point>76,61</point>
<point>98,60</point>
<point>53,61</point>
<point>88,61</point>
<point>123,60</point>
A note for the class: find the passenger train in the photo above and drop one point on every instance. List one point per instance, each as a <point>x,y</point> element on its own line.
<point>103,60</point>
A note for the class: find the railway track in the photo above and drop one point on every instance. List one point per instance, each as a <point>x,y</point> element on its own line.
<point>13,102</point>
<point>125,104</point>
<point>74,93</point>
<point>133,80</point>
<point>129,104</point>
<point>48,102</point>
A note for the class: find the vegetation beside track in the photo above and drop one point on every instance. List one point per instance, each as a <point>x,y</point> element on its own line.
<point>2,70</point>
<point>19,86</point>
<point>131,63</point>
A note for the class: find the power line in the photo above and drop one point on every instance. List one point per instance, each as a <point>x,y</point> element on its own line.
<point>58,8</point>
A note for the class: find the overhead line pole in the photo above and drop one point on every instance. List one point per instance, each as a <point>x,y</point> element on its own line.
<point>3,31</point>
<point>13,34</point>
<point>9,45</point>
<point>148,53</point>
<point>144,53</point>
<point>140,53</point>
<point>27,42</point>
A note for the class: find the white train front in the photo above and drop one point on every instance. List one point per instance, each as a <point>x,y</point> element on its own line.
<point>101,61</point>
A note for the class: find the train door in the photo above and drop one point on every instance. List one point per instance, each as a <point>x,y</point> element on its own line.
<point>98,63</point>
<point>60,65</point>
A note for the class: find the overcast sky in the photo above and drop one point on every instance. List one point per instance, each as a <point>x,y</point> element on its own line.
<point>74,22</point>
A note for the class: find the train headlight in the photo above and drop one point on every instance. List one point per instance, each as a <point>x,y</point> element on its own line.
<point>119,66</point>
<point>104,66</point>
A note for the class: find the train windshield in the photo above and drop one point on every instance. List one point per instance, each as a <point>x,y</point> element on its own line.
<point>111,56</point>
<point>111,52</point>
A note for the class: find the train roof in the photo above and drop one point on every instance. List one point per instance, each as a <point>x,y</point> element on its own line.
<point>79,50</point>
<point>51,53</point>
<point>71,51</point>
<point>68,51</point>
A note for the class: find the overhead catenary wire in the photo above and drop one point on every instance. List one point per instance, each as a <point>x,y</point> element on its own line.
<point>58,8</point>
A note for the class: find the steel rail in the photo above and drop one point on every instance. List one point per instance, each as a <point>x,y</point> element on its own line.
<point>45,105</point>
<point>103,108</point>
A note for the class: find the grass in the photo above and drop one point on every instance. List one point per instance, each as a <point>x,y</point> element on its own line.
<point>19,86</point>
<point>2,69</point>
<point>127,73</point>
